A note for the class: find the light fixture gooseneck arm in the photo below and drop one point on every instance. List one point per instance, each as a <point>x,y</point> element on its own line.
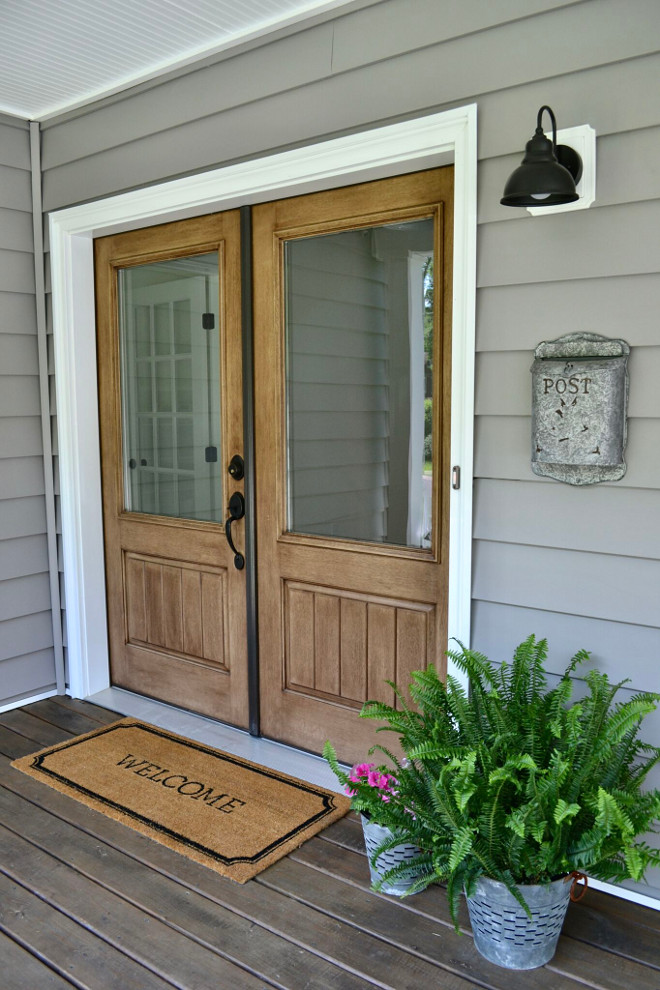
<point>539,126</point>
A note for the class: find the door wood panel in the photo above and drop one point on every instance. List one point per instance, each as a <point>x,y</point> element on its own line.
<point>339,617</point>
<point>344,647</point>
<point>178,606</point>
<point>176,603</point>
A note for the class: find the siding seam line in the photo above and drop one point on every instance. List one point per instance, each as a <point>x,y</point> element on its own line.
<point>560,549</point>
<point>553,611</point>
<point>570,615</point>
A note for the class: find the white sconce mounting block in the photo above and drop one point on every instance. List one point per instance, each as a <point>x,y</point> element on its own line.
<point>583,140</point>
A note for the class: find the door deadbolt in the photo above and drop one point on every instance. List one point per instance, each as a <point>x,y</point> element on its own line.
<point>236,467</point>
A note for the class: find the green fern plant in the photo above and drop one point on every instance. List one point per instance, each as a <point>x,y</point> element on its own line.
<point>515,781</point>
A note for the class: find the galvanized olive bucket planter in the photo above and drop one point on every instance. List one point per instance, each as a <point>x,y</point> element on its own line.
<point>505,934</point>
<point>374,835</point>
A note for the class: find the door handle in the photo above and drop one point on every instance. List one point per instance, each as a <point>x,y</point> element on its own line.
<point>236,511</point>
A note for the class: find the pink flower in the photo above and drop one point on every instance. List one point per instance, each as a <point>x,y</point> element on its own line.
<point>383,785</point>
<point>369,774</point>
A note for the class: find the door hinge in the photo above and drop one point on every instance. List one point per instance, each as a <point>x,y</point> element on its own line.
<point>208,321</point>
<point>456,477</point>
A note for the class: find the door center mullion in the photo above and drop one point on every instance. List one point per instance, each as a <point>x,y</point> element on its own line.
<point>248,453</point>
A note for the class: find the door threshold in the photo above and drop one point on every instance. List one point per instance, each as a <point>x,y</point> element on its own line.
<point>238,742</point>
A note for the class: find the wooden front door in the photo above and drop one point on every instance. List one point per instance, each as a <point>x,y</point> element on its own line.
<point>352,316</point>
<point>171,414</point>
<point>352,299</point>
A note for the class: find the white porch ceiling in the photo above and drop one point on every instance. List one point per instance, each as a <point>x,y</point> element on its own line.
<point>58,54</point>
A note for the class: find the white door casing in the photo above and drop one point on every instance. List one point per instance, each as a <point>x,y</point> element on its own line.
<point>426,142</point>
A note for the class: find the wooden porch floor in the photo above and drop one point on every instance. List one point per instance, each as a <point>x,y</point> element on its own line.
<point>86,902</point>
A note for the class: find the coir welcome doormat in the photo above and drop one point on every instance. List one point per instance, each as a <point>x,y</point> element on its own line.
<point>231,815</point>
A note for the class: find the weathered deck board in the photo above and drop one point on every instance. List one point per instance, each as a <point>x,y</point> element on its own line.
<point>35,729</point>
<point>68,945</point>
<point>425,931</point>
<point>87,902</point>
<point>22,969</point>
<point>65,717</point>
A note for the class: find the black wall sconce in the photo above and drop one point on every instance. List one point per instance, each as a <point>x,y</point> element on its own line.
<point>548,174</point>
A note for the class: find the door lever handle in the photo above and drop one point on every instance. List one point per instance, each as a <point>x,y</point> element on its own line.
<point>236,511</point>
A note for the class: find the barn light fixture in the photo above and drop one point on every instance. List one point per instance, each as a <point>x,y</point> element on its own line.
<point>548,174</point>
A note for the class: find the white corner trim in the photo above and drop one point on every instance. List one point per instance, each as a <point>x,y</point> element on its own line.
<point>394,148</point>
<point>583,140</point>
<point>462,402</point>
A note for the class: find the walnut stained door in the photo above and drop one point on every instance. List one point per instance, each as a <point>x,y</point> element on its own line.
<point>352,348</point>
<point>352,309</point>
<point>171,415</point>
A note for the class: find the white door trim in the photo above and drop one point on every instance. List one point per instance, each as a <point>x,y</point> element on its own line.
<point>396,148</point>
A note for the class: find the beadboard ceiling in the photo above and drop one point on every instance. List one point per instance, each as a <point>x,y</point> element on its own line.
<point>58,54</point>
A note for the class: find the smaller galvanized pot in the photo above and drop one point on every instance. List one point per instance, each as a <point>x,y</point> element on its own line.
<point>505,934</point>
<point>374,835</point>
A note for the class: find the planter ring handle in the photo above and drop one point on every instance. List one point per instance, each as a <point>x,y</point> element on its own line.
<point>575,886</point>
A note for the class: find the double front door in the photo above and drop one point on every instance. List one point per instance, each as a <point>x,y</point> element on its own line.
<point>351,315</point>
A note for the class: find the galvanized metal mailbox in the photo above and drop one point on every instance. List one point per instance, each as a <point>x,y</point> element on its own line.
<point>579,406</point>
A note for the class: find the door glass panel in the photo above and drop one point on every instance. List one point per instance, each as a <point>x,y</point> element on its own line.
<point>359,377</point>
<point>170,374</point>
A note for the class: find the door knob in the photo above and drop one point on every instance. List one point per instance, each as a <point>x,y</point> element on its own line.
<point>236,511</point>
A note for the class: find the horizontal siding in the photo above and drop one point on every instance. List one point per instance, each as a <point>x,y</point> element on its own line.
<point>232,82</point>
<point>503,450</point>
<point>24,635</point>
<point>20,393</point>
<point>22,517</point>
<point>615,98</point>
<point>29,675</point>
<point>498,629</point>
<point>470,65</point>
<point>22,556</point>
<point>21,476</point>
<point>15,144</point>
<point>24,596</point>
<point>15,189</point>
<point>596,243</point>
<point>20,436</point>
<point>17,313</point>
<point>602,586</point>
<point>15,230</point>
<point>18,355</point>
<point>517,317</point>
<point>596,519</point>
<point>408,26</point>
<point>26,638</point>
<point>284,118</point>
<point>16,271</point>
